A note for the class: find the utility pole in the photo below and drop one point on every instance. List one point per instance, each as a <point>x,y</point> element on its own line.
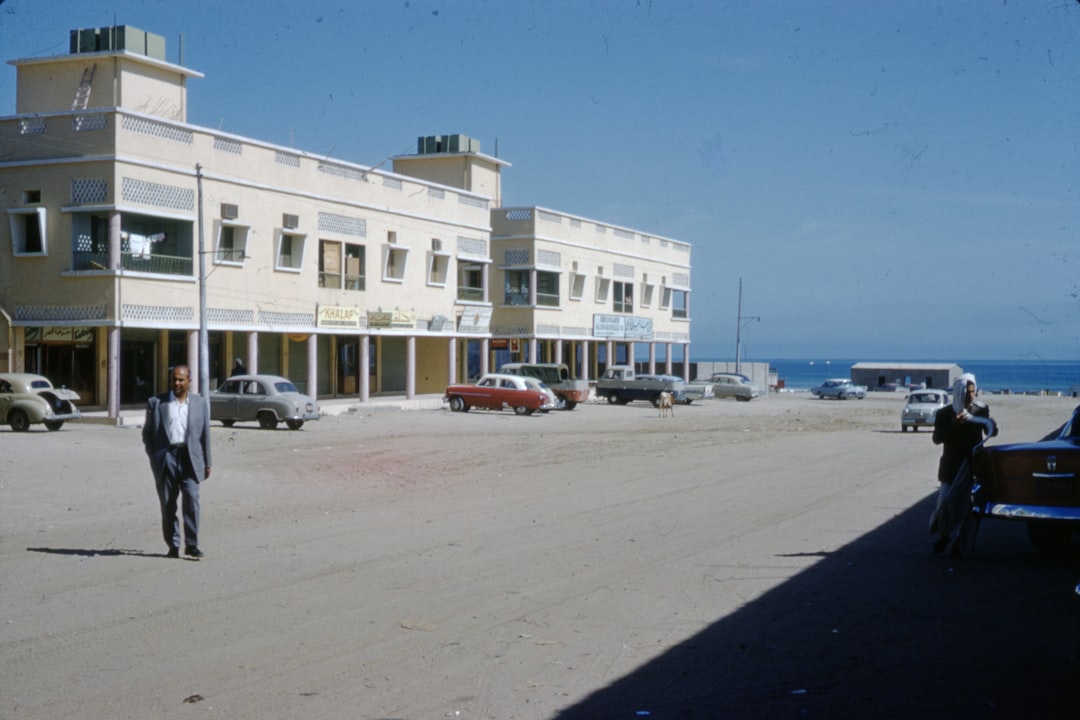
<point>204,337</point>
<point>738,331</point>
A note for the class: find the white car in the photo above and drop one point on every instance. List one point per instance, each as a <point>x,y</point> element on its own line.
<point>839,388</point>
<point>921,407</point>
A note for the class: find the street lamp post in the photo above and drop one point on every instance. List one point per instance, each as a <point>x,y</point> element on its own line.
<point>738,331</point>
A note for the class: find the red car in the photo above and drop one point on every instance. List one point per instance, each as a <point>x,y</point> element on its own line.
<point>495,391</point>
<point>1037,482</point>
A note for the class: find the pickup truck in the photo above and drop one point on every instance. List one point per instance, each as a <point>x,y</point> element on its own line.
<point>620,384</point>
<point>557,377</point>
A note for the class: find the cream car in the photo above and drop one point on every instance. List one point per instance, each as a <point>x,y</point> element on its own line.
<point>27,399</point>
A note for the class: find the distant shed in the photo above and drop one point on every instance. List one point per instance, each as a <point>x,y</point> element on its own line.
<point>901,375</point>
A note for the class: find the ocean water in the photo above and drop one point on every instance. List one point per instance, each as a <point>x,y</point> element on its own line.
<point>1017,376</point>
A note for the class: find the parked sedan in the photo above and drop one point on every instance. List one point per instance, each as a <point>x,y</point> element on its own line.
<point>268,399</point>
<point>496,391</point>
<point>27,399</point>
<point>1037,482</point>
<point>921,407</point>
<point>839,388</point>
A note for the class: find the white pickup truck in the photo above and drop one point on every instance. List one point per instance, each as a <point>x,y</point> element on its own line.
<point>620,384</point>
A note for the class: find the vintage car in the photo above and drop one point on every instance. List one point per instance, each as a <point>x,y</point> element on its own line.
<point>620,384</point>
<point>1036,482</point>
<point>555,376</point>
<point>840,389</point>
<point>268,399</point>
<point>497,391</point>
<point>734,385</point>
<point>27,399</point>
<point>921,407</point>
<point>700,389</point>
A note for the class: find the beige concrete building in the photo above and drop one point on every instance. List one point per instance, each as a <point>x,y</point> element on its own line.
<point>349,280</point>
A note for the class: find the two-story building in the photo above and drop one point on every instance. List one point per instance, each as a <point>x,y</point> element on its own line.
<point>132,234</point>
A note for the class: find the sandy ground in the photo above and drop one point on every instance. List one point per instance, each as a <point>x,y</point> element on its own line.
<point>740,560</point>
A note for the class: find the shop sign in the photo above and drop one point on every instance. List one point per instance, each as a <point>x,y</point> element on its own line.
<point>475,320</point>
<point>59,335</point>
<point>391,319</point>
<point>499,343</point>
<point>626,327</point>
<point>338,316</point>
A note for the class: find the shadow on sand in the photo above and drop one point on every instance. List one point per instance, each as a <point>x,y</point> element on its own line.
<point>880,628</point>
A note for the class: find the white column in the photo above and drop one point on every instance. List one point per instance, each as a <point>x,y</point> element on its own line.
<point>115,257</point>
<point>585,367</point>
<point>410,367</point>
<point>312,365</point>
<point>667,358</point>
<point>485,350</point>
<point>253,352</point>
<point>112,373</point>
<point>365,368</point>
<point>451,364</point>
<point>652,358</point>
<point>686,362</point>
<point>533,342</point>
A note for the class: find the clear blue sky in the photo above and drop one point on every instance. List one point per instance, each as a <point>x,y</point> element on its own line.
<point>890,180</point>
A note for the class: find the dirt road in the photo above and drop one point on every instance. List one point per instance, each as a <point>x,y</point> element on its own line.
<point>764,559</point>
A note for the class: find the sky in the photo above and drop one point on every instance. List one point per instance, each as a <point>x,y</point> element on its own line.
<point>888,181</point>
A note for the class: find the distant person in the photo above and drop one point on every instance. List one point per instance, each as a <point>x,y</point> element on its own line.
<point>959,428</point>
<point>176,436</point>
<point>238,368</point>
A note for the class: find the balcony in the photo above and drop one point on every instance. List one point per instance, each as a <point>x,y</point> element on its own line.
<point>472,294</point>
<point>156,264</point>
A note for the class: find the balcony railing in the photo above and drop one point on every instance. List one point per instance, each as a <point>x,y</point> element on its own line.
<point>159,264</point>
<point>470,293</point>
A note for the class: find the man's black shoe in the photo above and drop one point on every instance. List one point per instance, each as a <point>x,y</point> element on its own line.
<point>192,551</point>
<point>173,553</point>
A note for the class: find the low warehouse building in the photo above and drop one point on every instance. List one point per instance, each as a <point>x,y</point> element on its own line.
<point>900,376</point>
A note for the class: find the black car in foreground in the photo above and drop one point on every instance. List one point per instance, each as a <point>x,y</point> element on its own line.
<point>1034,482</point>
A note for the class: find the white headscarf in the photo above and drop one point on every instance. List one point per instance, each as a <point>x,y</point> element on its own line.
<point>959,391</point>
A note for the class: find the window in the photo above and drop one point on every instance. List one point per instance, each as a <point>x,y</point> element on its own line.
<point>680,304</point>
<point>394,262</point>
<point>665,298</point>
<point>624,297</point>
<point>517,287</point>
<point>602,287</point>
<point>329,264</point>
<point>290,254</point>
<point>438,264</point>
<point>31,196</point>
<point>354,267</point>
<point>470,281</point>
<point>232,244</point>
<point>28,231</point>
<point>647,291</point>
<point>547,288</point>
<point>577,286</point>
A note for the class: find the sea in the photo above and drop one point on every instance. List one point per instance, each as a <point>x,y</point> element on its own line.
<point>993,376</point>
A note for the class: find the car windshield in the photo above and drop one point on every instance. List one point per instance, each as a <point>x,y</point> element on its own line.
<point>284,386</point>
<point>925,398</point>
<point>40,384</point>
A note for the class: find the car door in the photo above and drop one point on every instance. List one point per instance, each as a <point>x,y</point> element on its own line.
<point>223,402</point>
<point>251,400</point>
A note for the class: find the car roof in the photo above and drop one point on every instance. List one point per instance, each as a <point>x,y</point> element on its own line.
<point>263,378</point>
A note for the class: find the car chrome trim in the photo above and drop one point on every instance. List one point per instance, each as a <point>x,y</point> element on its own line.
<point>1053,475</point>
<point>1031,512</point>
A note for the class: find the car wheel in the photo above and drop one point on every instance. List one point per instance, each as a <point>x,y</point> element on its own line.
<point>522,410</point>
<point>228,423</point>
<point>267,420</point>
<point>740,398</point>
<point>457,404</point>
<point>570,405</point>
<point>1049,538</point>
<point>904,428</point>
<point>841,396</point>
<point>612,399</point>
<point>54,424</point>
<point>294,424</point>
<point>18,421</point>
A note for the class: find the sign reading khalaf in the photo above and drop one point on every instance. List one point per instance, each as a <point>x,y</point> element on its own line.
<point>622,326</point>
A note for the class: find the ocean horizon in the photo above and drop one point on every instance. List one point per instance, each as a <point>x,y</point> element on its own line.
<point>1014,376</point>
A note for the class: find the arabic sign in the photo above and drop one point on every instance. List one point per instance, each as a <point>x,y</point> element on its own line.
<point>622,326</point>
<point>475,320</point>
<point>59,334</point>
<point>391,319</point>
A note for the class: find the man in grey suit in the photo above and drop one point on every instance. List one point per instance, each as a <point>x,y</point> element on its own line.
<point>176,435</point>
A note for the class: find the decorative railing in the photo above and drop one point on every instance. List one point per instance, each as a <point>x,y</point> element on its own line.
<point>158,264</point>
<point>470,293</point>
